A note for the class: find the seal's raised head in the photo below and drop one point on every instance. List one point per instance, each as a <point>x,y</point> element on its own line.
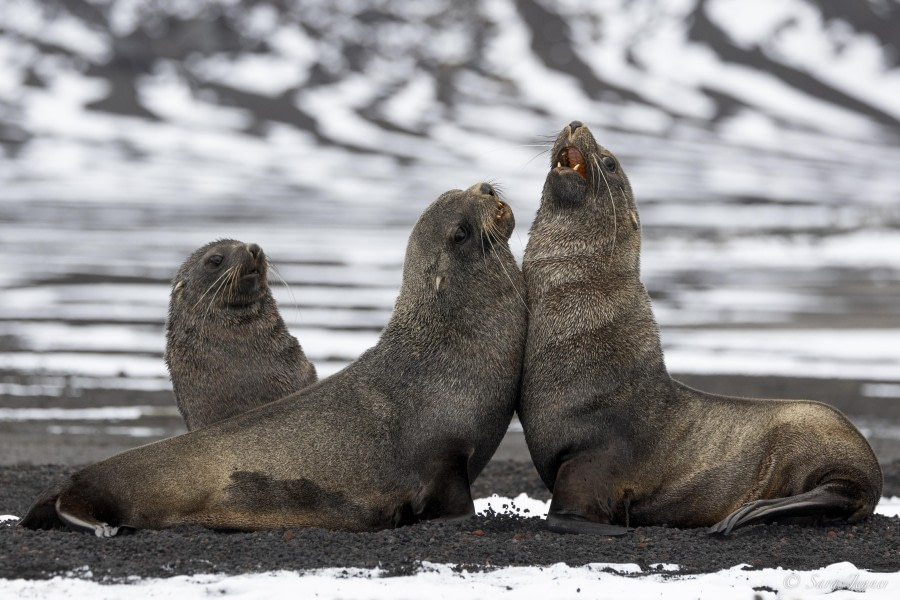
<point>587,204</point>
<point>227,347</point>
<point>460,240</point>
<point>225,274</point>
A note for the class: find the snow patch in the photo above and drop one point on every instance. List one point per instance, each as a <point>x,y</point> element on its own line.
<point>837,582</point>
<point>522,505</point>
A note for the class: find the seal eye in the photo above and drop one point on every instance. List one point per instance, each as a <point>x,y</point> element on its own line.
<point>610,163</point>
<point>461,235</point>
<point>215,260</point>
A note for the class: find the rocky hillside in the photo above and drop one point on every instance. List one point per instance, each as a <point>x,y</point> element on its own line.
<point>226,98</point>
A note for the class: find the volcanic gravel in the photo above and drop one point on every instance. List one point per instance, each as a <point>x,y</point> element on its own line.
<point>476,543</point>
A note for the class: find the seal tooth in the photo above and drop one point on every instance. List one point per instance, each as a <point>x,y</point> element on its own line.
<point>558,164</point>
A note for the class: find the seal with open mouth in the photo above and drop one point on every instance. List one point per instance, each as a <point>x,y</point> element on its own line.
<point>395,437</point>
<point>617,441</point>
<point>227,347</point>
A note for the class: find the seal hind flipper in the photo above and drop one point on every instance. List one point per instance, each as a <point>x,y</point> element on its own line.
<point>833,498</point>
<point>56,509</point>
<point>42,514</point>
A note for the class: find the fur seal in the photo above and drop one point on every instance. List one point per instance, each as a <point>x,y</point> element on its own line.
<point>227,348</point>
<point>619,442</point>
<point>395,437</point>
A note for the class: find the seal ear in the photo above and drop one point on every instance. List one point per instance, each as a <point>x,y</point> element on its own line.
<point>634,219</point>
<point>442,266</point>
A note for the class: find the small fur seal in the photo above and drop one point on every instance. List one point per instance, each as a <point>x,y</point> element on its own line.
<point>227,348</point>
<point>617,441</point>
<point>395,437</point>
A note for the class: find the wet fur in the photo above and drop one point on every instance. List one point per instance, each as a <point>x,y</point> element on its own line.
<point>611,434</point>
<point>395,437</point>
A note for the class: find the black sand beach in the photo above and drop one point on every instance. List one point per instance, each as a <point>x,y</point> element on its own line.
<point>477,543</point>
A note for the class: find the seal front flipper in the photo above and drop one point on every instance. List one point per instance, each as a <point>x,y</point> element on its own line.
<point>447,495</point>
<point>75,511</point>
<point>571,524</point>
<point>577,492</point>
<point>831,499</point>
<point>568,515</point>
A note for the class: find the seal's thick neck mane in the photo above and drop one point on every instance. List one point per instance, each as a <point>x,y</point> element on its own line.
<point>461,300</point>
<point>582,263</point>
<point>563,235</point>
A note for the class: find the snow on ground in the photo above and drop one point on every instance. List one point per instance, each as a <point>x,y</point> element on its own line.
<point>525,506</point>
<point>835,582</point>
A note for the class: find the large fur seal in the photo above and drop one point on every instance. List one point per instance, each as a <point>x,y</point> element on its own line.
<point>227,348</point>
<point>395,437</point>
<point>617,441</point>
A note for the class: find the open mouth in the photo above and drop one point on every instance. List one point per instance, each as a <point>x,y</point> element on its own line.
<point>501,210</point>
<point>570,157</point>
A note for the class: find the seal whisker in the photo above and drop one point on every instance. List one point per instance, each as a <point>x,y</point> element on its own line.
<point>521,243</point>
<point>233,287</point>
<point>595,174</point>
<point>481,239</point>
<point>491,230</point>
<point>227,290</point>
<point>290,292</point>
<point>216,293</point>
<point>483,253</point>
<point>541,153</point>
<point>612,203</point>
<point>209,288</point>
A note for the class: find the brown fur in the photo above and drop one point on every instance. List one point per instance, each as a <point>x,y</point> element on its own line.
<point>227,347</point>
<point>395,437</point>
<point>611,434</point>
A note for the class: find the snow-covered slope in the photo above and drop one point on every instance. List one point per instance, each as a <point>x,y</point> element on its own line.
<point>126,99</point>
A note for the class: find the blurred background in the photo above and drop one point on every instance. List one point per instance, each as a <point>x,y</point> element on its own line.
<point>762,140</point>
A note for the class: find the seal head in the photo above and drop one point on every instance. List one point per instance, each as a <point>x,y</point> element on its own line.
<point>227,347</point>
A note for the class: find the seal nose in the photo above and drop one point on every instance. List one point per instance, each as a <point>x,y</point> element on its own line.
<point>575,125</point>
<point>487,189</point>
<point>253,249</point>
